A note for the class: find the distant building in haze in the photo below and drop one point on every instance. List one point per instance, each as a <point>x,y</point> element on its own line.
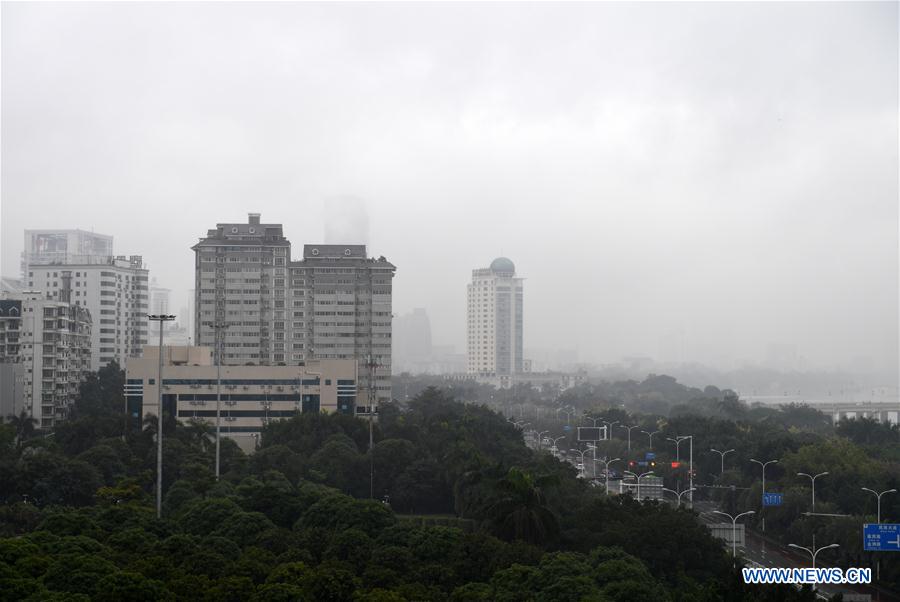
<point>494,319</point>
<point>412,349</point>
<point>60,247</point>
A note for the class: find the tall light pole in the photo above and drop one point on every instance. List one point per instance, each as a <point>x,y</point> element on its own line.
<point>679,494</point>
<point>764,464</point>
<point>606,464</point>
<point>627,428</point>
<point>220,328</point>
<point>878,520</point>
<point>609,426</point>
<point>162,319</point>
<point>734,532</point>
<point>578,451</point>
<point>638,477</point>
<point>812,553</point>
<point>722,453</point>
<point>878,496</point>
<point>649,434</point>
<point>677,441</point>
<point>554,443</point>
<point>540,436</point>
<point>813,480</point>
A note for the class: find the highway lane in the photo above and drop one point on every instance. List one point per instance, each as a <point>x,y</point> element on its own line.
<point>764,554</point>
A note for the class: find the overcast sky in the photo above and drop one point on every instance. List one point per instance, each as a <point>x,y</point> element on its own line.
<point>726,173</point>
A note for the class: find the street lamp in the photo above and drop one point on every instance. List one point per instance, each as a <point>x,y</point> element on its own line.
<point>639,477</point>
<point>722,453</point>
<point>649,434</point>
<point>628,428</point>
<point>609,427</point>
<point>677,441</point>
<point>813,479</point>
<point>679,494</point>
<point>540,437</point>
<point>734,532</point>
<point>554,443</point>
<point>811,553</point>
<point>878,496</point>
<point>606,464</point>
<point>592,419</point>
<point>764,464</point>
<point>578,451</point>
<point>162,319</point>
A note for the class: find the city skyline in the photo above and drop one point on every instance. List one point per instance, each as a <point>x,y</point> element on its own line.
<point>708,195</point>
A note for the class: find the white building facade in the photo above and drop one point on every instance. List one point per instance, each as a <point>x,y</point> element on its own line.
<point>249,397</point>
<point>495,322</point>
<point>114,289</point>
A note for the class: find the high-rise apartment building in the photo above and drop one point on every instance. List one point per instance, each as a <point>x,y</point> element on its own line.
<point>50,341</point>
<point>334,303</point>
<point>45,247</point>
<point>495,321</point>
<point>113,289</point>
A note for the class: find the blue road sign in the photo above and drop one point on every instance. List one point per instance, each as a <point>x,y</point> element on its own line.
<point>772,499</point>
<point>651,456</point>
<point>567,428</point>
<point>642,463</point>
<point>881,538</point>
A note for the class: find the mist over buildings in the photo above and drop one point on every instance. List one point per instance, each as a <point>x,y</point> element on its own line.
<point>708,184</point>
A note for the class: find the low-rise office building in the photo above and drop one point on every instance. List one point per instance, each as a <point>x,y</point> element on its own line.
<point>251,396</point>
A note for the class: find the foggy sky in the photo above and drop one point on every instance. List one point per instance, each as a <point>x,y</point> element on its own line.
<point>725,171</point>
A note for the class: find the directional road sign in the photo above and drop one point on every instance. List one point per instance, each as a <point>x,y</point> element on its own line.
<point>651,456</point>
<point>772,499</point>
<point>884,537</point>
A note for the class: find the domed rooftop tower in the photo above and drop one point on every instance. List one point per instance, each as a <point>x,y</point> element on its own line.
<point>503,265</point>
<point>495,300</point>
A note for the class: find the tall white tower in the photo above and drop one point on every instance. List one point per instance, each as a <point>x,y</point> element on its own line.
<point>495,320</point>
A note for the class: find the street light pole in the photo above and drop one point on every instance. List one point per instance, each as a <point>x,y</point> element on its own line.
<point>722,453</point>
<point>639,477</point>
<point>628,428</point>
<point>220,327</point>
<point>878,520</point>
<point>811,553</point>
<point>734,532</point>
<point>677,441</point>
<point>878,496</point>
<point>679,494</point>
<point>649,434</point>
<point>606,464</point>
<point>162,319</point>
<point>764,464</point>
<point>813,479</point>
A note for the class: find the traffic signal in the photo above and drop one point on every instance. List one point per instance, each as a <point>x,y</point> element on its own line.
<point>676,464</point>
<point>631,463</point>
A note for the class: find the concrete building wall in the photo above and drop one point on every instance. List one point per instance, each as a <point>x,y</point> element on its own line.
<point>51,342</point>
<point>251,396</point>
<point>12,389</point>
<point>334,303</point>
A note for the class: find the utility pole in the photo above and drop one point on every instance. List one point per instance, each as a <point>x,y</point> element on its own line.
<point>373,400</point>
<point>162,319</point>
<point>219,329</point>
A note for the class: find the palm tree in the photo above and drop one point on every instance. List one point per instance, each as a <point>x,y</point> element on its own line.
<point>199,432</point>
<point>519,511</point>
<point>24,424</point>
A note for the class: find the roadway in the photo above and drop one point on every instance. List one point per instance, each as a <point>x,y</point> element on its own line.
<point>765,554</point>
